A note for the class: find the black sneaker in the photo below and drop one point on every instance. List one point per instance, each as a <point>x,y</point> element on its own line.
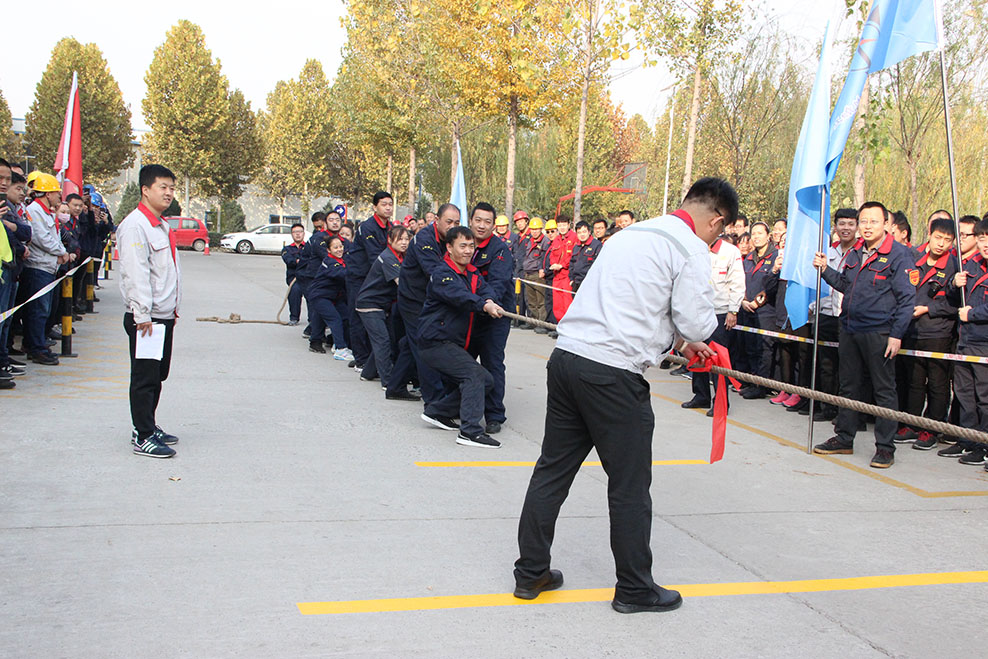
<point>975,457</point>
<point>952,451</point>
<point>883,459</point>
<point>363,379</point>
<point>444,422</point>
<point>306,333</point>
<point>493,428</point>
<point>905,435</point>
<point>15,362</point>
<point>402,394</point>
<point>152,448</point>
<point>7,384</point>
<point>665,600</point>
<point>44,358</point>
<point>351,364</point>
<point>164,437</point>
<point>927,441</point>
<point>551,580</point>
<point>541,330</point>
<point>833,446</point>
<point>12,371</point>
<point>482,440</point>
<point>316,346</point>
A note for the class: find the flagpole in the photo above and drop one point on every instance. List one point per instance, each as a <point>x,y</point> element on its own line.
<point>824,217</point>
<point>665,194</point>
<point>950,141</point>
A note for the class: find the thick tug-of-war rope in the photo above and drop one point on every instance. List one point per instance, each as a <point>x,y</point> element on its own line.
<point>819,396</point>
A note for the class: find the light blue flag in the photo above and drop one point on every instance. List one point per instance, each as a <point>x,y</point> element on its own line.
<point>894,31</point>
<point>458,197</point>
<point>806,185</point>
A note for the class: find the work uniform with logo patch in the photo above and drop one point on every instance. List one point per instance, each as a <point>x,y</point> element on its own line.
<point>878,303</point>
<point>495,264</point>
<point>971,380</point>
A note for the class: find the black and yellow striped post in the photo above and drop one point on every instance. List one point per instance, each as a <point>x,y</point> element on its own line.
<point>90,286</point>
<point>67,318</point>
<point>107,261</point>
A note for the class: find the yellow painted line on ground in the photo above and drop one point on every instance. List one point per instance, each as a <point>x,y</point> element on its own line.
<point>870,473</point>
<point>606,594</point>
<point>589,463</point>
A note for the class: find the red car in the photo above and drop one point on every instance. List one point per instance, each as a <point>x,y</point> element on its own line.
<point>189,232</point>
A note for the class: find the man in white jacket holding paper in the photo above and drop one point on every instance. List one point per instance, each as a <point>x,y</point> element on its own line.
<point>150,283</point>
<point>648,290</point>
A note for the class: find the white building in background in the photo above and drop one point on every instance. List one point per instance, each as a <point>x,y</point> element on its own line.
<point>259,207</point>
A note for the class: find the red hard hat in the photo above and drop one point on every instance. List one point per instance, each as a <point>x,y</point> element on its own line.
<point>520,215</point>
<point>409,217</point>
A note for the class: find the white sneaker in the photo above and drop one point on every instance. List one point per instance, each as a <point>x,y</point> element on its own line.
<point>343,355</point>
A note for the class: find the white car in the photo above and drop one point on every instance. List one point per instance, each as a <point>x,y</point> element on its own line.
<point>266,238</point>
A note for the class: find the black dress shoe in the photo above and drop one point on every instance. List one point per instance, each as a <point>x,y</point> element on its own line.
<point>493,428</point>
<point>551,580</point>
<point>803,404</point>
<point>665,600</point>
<point>403,394</point>
<point>753,393</point>
<point>694,404</point>
<point>710,413</point>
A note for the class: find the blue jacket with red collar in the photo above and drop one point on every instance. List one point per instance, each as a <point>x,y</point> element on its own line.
<point>931,282</point>
<point>496,265</point>
<point>424,256</point>
<point>975,330</point>
<point>878,294</point>
<point>759,278</point>
<point>584,254</point>
<point>452,299</point>
<point>291,254</point>
<point>369,241</point>
<point>330,280</point>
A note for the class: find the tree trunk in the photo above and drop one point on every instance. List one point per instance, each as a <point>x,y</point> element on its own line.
<point>859,162</point>
<point>582,133</point>
<point>691,137</point>
<point>452,153</point>
<point>185,207</point>
<point>304,202</point>
<point>509,185</point>
<point>672,118</point>
<point>913,187</point>
<point>391,162</point>
<point>411,180</point>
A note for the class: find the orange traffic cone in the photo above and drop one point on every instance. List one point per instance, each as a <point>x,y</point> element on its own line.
<point>116,255</point>
<point>206,251</point>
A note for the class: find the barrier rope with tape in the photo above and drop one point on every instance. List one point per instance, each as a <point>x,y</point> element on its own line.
<point>819,396</point>
<point>44,291</point>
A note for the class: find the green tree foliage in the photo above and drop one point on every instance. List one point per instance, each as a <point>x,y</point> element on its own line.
<point>128,200</point>
<point>187,108</point>
<point>174,209</point>
<point>104,119</point>
<point>241,152</point>
<point>9,145</point>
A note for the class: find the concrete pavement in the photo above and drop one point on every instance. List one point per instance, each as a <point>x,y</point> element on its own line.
<point>297,483</point>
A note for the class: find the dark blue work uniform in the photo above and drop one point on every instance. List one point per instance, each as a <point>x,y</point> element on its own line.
<point>453,300</point>
<point>495,264</point>
<point>584,254</point>
<point>369,241</point>
<point>326,296</point>
<point>878,304</point>
<point>18,238</point>
<point>375,304</point>
<point>423,257</point>
<point>291,254</point>
<point>310,260</point>
<point>758,280</point>
<point>971,380</point>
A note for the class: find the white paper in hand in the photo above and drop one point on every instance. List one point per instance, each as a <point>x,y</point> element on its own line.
<point>151,346</point>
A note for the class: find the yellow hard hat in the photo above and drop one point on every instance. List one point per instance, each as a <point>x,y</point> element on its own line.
<point>501,221</point>
<point>46,183</point>
<point>33,175</point>
<point>535,223</point>
<point>550,225</point>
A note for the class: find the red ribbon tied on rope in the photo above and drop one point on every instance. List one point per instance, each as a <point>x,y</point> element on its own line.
<point>723,359</point>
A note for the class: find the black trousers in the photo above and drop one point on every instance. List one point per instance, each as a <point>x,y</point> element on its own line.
<point>591,405</point>
<point>701,381</point>
<point>863,355</point>
<point>827,358</point>
<point>430,382</point>
<point>758,348</point>
<point>971,391</point>
<point>358,341</point>
<point>146,376</point>
<point>488,343</point>
<point>467,384</point>
<point>928,384</point>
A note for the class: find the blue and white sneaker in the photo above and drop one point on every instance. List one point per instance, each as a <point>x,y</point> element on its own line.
<point>151,448</point>
<point>159,435</point>
<point>342,354</point>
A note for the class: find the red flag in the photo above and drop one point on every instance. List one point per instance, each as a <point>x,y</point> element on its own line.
<point>68,160</point>
<point>721,358</point>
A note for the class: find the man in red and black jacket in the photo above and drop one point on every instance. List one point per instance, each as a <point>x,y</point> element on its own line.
<point>456,293</point>
<point>879,301</point>
<point>584,255</point>
<point>933,329</point>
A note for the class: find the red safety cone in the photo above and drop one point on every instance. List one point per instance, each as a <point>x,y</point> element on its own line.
<point>116,255</point>
<point>206,251</point>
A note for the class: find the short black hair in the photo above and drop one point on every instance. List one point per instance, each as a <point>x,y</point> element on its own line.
<point>901,222</point>
<point>70,197</point>
<point>938,212</point>
<point>981,228</point>
<point>445,207</point>
<point>943,225</point>
<point>600,220</point>
<point>581,225</point>
<point>318,216</point>
<point>968,219</point>
<point>873,204</point>
<point>151,173</point>
<point>349,223</point>
<point>717,194</point>
<point>16,178</point>
<point>743,218</point>
<point>329,243</point>
<point>846,214</point>
<point>4,163</point>
<point>458,231</point>
<point>629,213</point>
<point>783,220</point>
<point>381,194</point>
<point>395,232</point>
<point>482,206</point>
<point>758,224</point>
<point>300,226</point>
<point>334,212</point>
<point>568,220</point>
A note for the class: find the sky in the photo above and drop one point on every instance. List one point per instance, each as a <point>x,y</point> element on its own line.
<point>258,48</point>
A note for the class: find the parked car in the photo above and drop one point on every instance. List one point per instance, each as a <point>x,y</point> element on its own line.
<point>189,232</point>
<point>266,238</point>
